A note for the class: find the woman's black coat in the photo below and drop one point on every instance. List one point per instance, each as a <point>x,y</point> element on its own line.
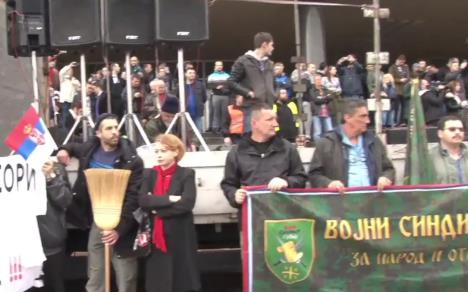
<point>178,224</point>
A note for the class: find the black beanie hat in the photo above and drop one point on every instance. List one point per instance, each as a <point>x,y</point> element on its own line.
<point>171,105</point>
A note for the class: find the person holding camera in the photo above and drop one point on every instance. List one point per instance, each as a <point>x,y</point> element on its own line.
<point>432,102</point>
<point>69,87</point>
<point>138,94</point>
<point>351,75</point>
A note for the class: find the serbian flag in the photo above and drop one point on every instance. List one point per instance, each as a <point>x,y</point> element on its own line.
<point>31,139</point>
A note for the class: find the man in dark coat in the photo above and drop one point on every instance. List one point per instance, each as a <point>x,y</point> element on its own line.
<point>159,124</point>
<point>351,156</point>
<point>261,158</point>
<point>432,102</point>
<point>106,150</point>
<point>252,75</point>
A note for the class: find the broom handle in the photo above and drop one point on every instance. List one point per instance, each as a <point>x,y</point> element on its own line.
<point>107,260</point>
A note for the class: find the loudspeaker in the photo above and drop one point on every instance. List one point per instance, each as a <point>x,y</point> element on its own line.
<point>129,22</point>
<point>74,23</point>
<point>181,20</point>
<point>27,28</point>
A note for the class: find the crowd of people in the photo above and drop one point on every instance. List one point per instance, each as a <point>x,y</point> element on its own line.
<point>308,101</point>
<point>259,108</point>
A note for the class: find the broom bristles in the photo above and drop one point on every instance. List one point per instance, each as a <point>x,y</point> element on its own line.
<point>107,191</point>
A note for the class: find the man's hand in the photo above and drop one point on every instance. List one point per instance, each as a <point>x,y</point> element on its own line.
<point>63,157</point>
<point>174,199</point>
<point>239,196</point>
<point>109,237</point>
<point>337,185</point>
<point>48,168</point>
<point>383,182</point>
<point>251,94</point>
<point>277,184</point>
<point>227,141</point>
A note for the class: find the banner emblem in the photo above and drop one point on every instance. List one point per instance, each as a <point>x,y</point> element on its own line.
<point>290,248</point>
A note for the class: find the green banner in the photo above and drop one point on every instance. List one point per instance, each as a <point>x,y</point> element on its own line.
<point>409,239</point>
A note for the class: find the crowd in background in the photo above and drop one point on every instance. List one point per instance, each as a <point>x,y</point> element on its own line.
<point>307,101</point>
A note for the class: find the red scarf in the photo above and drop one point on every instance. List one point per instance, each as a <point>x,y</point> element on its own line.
<point>160,189</point>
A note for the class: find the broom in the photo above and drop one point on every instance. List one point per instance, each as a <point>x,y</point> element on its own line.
<point>107,190</point>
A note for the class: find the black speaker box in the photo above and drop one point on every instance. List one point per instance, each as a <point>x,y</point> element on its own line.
<point>181,20</point>
<point>27,28</point>
<point>129,22</point>
<point>74,23</point>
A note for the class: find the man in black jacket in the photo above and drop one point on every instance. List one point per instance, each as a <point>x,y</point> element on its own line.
<point>350,156</point>
<point>106,150</point>
<point>252,75</point>
<point>261,158</point>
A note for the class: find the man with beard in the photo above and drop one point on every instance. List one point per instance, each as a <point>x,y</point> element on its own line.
<point>450,156</point>
<point>110,151</point>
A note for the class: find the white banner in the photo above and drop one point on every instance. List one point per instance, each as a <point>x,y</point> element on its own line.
<point>22,197</point>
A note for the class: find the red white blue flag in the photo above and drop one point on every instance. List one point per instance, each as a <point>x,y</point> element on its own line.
<point>30,137</point>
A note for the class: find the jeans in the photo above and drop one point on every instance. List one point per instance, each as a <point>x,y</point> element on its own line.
<point>65,115</point>
<point>126,269</point>
<point>198,123</point>
<point>388,118</point>
<point>321,125</point>
<point>220,104</point>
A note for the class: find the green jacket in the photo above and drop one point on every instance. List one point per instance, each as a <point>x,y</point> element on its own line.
<point>446,167</point>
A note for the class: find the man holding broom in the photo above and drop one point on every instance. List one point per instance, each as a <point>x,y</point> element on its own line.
<point>107,150</point>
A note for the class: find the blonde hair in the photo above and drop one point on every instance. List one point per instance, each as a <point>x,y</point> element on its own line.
<point>173,143</point>
<point>389,77</point>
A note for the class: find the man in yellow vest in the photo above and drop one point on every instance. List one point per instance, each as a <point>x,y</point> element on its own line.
<point>287,113</point>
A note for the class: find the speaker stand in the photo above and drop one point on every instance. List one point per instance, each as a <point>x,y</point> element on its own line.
<point>130,118</point>
<point>183,115</point>
<point>85,118</point>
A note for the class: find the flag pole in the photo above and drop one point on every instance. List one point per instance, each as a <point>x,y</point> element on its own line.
<point>34,78</point>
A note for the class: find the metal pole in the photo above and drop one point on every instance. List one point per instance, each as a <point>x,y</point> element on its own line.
<point>105,52</point>
<point>84,103</point>
<point>297,29</point>
<point>34,78</point>
<point>106,61</point>
<point>378,100</point>
<point>180,71</point>
<point>129,97</point>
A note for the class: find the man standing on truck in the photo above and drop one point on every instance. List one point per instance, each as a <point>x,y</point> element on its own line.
<point>106,150</point>
<point>261,158</point>
<point>252,75</point>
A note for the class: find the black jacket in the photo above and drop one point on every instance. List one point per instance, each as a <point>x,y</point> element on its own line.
<point>179,227</point>
<point>52,225</point>
<point>80,212</point>
<point>199,91</point>
<point>246,167</point>
<point>247,75</point>
<point>433,106</point>
<point>330,160</point>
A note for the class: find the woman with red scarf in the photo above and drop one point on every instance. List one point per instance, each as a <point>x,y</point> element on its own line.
<point>168,193</point>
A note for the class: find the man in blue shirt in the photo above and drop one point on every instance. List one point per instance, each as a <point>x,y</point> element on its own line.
<point>106,150</point>
<point>349,156</point>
